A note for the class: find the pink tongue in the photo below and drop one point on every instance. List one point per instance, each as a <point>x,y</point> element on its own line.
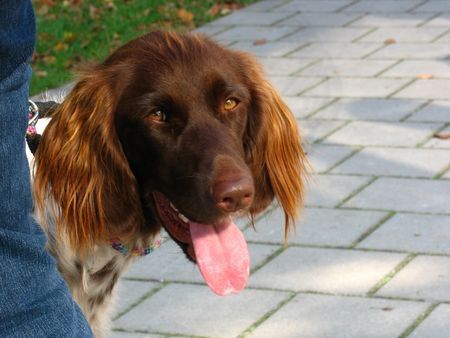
<point>222,256</point>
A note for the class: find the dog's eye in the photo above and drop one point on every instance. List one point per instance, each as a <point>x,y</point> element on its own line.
<point>158,116</point>
<point>230,104</point>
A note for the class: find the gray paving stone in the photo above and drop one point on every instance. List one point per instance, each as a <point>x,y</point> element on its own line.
<point>170,264</point>
<point>413,233</point>
<point>392,19</point>
<point>129,292</point>
<point>325,156</point>
<point>211,30</point>
<point>283,66</point>
<point>317,226</point>
<point>388,6</point>
<point>118,334</point>
<point>425,277</point>
<point>314,130</point>
<point>439,143</point>
<point>329,34</point>
<point>251,18</point>
<point>444,39</point>
<point>266,5</point>
<point>291,85</point>
<point>337,68</point>
<point>313,6</point>
<point>434,6</point>
<point>314,316</point>
<point>408,34</point>
<point>426,89</point>
<point>411,195</point>
<point>175,308</point>
<point>415,68</point>
<point>369,109</point>
<point>267,49</point>
<point>409,162</point>
<point>413,51</point>
<point>246,33</point>
<point>442,20</point>
<point>326,270</point>
<point>436,111</point>
<point>357,87</point>
<point>319,19</point>
<point>336,50</point>
<point>330,190</point>
<point>370,133</point>
<point>435,325</point>
<point>304,106</point>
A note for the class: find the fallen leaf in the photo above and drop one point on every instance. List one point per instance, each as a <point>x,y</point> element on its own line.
<point>40,73</point>
<point>259,42</point>
<point>94,12</point>
<point>214,10</point>
<point>49,59</point>
<point>185,16</point>
<point>387,308</point>
<point>69,37</point>
<point>425,76</point>
<point>390,41</point>
<point>60,46</point>
<point>442,136</point>
<point>49,3</point>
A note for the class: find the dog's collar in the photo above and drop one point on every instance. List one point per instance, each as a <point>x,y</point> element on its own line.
<point>117,245</point>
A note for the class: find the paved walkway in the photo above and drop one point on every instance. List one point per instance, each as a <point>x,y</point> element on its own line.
<point>369,82</point>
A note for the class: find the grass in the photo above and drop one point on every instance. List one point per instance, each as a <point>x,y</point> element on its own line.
<point>73,32</point>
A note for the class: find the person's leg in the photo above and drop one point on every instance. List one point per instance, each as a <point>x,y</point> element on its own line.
<point>34,300</point>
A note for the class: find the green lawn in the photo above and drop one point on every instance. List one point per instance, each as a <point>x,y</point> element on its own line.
<point>72,32</point>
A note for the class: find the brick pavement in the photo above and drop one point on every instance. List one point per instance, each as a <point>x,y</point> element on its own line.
<point>369,82</point>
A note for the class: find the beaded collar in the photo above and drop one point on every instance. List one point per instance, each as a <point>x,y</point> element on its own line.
<point>117,245</point>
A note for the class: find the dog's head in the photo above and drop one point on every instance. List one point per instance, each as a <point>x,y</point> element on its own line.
<point>169,127</point>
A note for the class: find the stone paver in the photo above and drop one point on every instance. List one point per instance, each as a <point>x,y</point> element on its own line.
<point>336,50</point>
<point>319,19</point>
<point>330,190</point>
<point>326,270</point>
<point>369,109</point>
<point>317,226</point>
<point>413,51</point>
<point>314,130</point>
<point>426,89</point>
<point>425,277</point>
<point>314,6</point>
<point>324,156</point>
<point>396,162</point>
<point>195,310</point>
<point>417,68</point>
<point>292,86</point>
<point>384,6</point>
<point>305,106</point>
<point>436,111</point>
<point>435,325</point>
<point>413,195</point>
<point>407,232</point>
<point>365,133</point>
<point>313,316</point>
<point>369,84</point>
<point>358,87</point>
<point>337,68</point>
<point>405,34</point>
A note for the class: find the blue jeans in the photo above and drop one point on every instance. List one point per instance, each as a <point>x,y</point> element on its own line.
<point>34,300</point>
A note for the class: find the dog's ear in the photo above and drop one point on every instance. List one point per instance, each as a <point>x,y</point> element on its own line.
<point>81,169</point>
<point>274,147</point>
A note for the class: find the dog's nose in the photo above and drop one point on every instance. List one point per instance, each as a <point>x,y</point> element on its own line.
<point>233,195</point>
